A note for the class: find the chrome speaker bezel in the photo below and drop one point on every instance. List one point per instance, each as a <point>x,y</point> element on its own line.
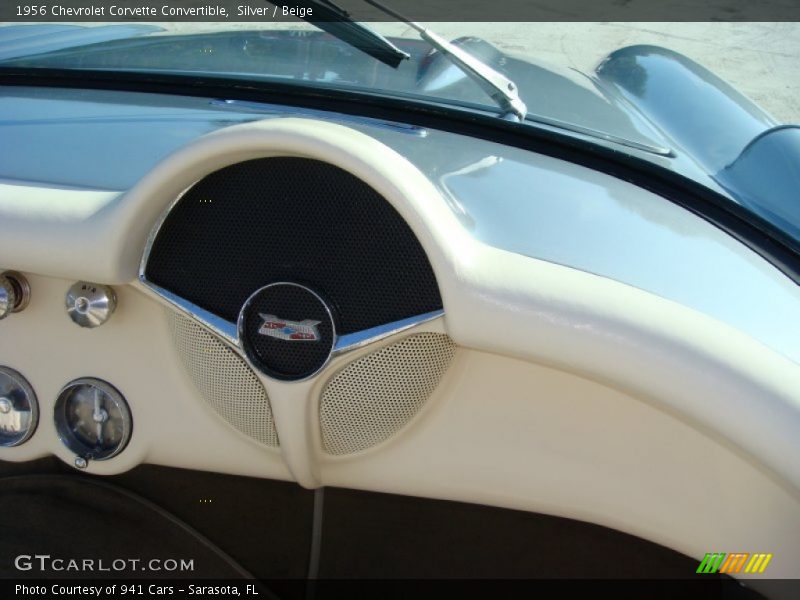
<point>241,335</point>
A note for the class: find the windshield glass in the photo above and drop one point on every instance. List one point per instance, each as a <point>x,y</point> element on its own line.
<point>301,53</point>
<point>645,89</point>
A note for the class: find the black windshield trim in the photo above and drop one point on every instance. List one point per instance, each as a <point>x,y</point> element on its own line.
<point>756,233</point>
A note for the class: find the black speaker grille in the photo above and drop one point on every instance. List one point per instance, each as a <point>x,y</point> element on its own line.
<point>299,220</point>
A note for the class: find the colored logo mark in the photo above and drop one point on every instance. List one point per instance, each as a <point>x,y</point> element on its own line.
<point>293,331</point>
<point>735,562</point>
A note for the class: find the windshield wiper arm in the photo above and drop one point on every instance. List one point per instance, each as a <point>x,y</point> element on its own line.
<point>501,89</point>
<point>336,21</point>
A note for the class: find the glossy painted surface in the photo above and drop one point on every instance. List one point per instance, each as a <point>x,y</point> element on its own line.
<point>512,199</point>
<point>644,100</point>
<point>149,127</point>
<point>554,211</point>
<point>771,160</point>
<point>99,140</point>
<point>716,125</point>
<point>702,114</point>
<point>22,40</point>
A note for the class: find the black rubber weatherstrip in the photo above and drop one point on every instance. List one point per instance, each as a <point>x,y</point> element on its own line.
<point>759,235</point>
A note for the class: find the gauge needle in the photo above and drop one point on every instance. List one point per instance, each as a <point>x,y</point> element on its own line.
<point>98,416</point>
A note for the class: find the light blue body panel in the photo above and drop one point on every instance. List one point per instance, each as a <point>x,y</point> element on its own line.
<point>513,199</point>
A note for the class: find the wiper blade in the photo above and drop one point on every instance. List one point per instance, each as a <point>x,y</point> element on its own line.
<point>336,21</point>
<point>501,89</point>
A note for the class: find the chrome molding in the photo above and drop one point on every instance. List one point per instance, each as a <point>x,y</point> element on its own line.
<point>217,325</point>
<point>600,135</point>
<point>230,332</point>
<point>359,339</point>
<point>151,238</point>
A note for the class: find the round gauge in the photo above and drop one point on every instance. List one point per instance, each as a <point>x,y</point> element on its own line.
<point>93,419</point>
<point>19,411</point>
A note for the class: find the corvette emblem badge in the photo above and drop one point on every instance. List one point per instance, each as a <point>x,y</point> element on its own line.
<point>292,331</point>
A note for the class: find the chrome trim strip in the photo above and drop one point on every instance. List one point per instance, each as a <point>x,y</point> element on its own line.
<point>217,325</point>
<point>600,135</point>
<point>359,339</point>
<point>151,238</point>
<point>230,332</point>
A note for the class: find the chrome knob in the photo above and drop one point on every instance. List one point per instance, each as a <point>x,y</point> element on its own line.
<point>8,297</point>
<point>90,304</point>
<point>14,293</point>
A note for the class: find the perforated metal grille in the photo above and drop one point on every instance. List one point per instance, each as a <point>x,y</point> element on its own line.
<point>224,380</point>
<point>293,219</point>
<point>375,396</point>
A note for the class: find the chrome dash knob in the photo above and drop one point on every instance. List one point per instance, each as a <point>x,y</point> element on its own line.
<point>8,296</point>
<point>90,304</point>
<point>14,293</point>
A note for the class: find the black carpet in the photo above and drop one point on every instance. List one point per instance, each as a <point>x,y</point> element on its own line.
<point>80,519</point>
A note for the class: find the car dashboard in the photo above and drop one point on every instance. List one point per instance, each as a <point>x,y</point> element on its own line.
<point>348,302</point>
